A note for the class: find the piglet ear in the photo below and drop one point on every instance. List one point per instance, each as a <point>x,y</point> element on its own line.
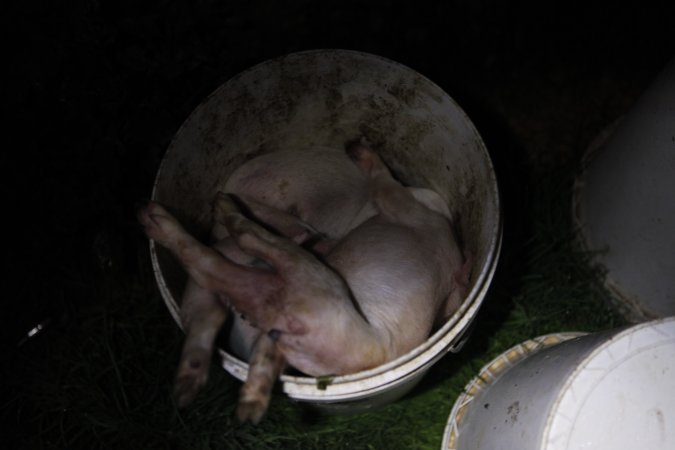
<point>359,151</point>
<point>432,200</point>
<point>280,221</point>
<point>366,158</point>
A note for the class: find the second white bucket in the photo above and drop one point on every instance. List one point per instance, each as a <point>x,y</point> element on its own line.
<point>605,391</point>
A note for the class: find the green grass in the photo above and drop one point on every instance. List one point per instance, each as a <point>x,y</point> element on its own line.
<point>106,381</point>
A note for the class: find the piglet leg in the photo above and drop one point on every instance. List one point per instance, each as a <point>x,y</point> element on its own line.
<point>265,366</point>
<point>246,288</point>
<point>202,316</point>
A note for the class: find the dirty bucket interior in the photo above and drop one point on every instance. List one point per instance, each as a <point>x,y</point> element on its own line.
<point>324,99</point>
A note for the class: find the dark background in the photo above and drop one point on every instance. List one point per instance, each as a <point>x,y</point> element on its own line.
<point>95,90</point>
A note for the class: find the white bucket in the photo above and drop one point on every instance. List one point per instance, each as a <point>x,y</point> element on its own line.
<point>603,391</point>
<point>326,98</point>
<point>625,203</point>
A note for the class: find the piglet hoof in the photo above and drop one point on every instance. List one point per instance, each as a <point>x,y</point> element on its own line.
<point>223,206</point>
<point>252,410</point>
<point>157,223</point>
<point>192,375</point>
